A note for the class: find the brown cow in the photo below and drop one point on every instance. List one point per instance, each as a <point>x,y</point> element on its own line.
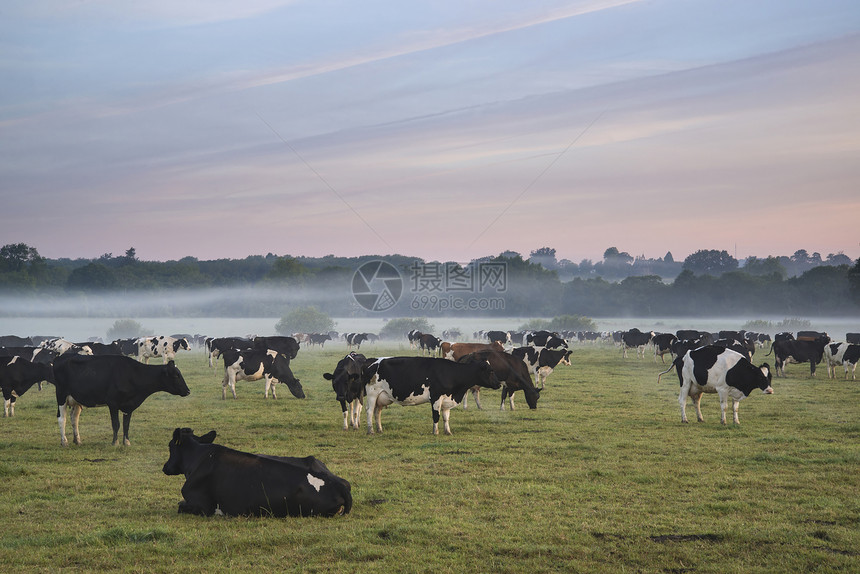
<point>453,351</point>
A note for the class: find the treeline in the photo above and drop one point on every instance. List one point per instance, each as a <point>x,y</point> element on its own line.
<point>709,283</point>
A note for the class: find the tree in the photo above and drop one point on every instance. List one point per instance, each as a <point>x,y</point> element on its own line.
<point>762,267</point>
<point>304,320</point>
<point>288,270</point>
<point>396,329</point>
<point>17,256</point>
<point>668,258</point>
<point>854,282</point>
<point>614,257</point>
<point>125,329</point>
<point>93,276</point>
<point>710,262</point>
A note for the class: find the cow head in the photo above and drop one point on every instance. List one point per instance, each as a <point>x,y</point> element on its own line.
<point>345,381</point>
<point>765,371</point>
<point>182,437</point>
<point>172,380</point>
<point>282,373</point>
<point>180,344</point>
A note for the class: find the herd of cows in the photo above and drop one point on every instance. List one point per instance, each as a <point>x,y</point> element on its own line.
<point>220,479</point>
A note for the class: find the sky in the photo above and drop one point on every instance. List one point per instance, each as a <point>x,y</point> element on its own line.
<point>437,129</point>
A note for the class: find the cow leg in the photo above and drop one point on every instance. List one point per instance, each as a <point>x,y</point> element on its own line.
<point>378,418</point>
<point>61,421</point>
<point>724,399</point>
<point>476,392</point>
<point>355,409</point>
<point>682,400</point>
<point>445,414</point>
<point>346,412</point>
<point>504,396</point>
<point>435,421</point>
<point>697,401</point>
<point>8,402</point>
<point>126,421</point>
<point>735,404</point>
<point>114,423</point>
<point>76,417</point>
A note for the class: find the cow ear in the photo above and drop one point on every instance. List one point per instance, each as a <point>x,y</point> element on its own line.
<point>208,437</point>
<point>328,376</point>
<point>177,434</point>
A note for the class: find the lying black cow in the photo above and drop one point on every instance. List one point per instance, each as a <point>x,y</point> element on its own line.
<point>120,382</point>
<point>346,383</point>
<point>17,375</point>
<point>239,483</point>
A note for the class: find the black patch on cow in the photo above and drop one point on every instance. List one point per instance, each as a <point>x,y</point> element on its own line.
<point>703,359</point>
<point>746,377</point>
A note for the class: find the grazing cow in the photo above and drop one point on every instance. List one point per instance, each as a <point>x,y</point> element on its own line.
<point>795,351</point>
<point>454,351</point>
<point>429,343</point>
<point>62,346</point>
<point>416,380</point>
<point>240,484</point>
<point>215,347</point>
<point>287,346</point>
<point>635,339</point>
<point>849,360</point>
<point>256,364</point>
<point>319,339</point>
<point>17,375</point>
<point>121,383</point>
<point>413,337</point>
<point>513,374</point>
<point>541,362</point>
<point>663,344</point>
<point>346,383</point>
<point>354,340</point>
<point>161,346</point>
<point>713,369</point>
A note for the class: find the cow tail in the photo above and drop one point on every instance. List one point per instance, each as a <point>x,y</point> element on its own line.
<point>675,364</point>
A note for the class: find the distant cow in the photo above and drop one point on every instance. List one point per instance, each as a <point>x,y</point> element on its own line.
<point>239,483</point>
<point>354,340</point>
<point>849,360</point>
<point>17,375</point>
<point>635,339</point>
<point>718,370</point>
<point>346,383</point>
<point>97,348</point>
<point>663,344</point>
<point>256,364</point>
<point>453,351</point>
<point>319,339</point>
<point>121,383</point>
<point>215,347</point>
<point>416,380</point>
<point>546,339</point>
<point>15,341</point>
<point>413,337</point>
<point>429,343</point>
<point>161,346</point>
<point>500,336</point>
<point>794,351</point>
<point>62,346</point>
<point>833,353</point>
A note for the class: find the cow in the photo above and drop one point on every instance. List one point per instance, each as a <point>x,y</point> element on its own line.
<point>502,337</point>
<point>346,383</point>
<point>121,383</point>
<point>39,355</point>
<point>511,371</point>
<point>783,336</point>
<point>795,351</point>
<point>453,351</point>
<point>745,348</point>
<point>15,341</point>
<point>541,362</point>
<point>833,353</point>
<point>319,339</point>
<point>354,340</point>
<point>416,380</point>
<point>218,478</point>
<point>127,347</point>
<point>852,338</point>
<point>161,346</point>
<point>97,348</point>
<point>413,337</point>
<point>256,364</point>
<point>635,339</point>
<point>17,375</point>
<point>429,343</point>
<point>215,347</point>
<point>663,344</point>
<point>545,339</point>
<point>713,369</point>
<point>287,346</point>
<point>849,360</point>
<point>62,346</point>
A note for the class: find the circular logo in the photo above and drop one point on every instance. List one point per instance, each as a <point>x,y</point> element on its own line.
<point>377,286</point>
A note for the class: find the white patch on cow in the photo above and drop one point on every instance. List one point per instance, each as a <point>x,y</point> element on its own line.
<point>317,483</point>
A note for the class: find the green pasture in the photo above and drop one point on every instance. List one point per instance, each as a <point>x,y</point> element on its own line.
<point>602,477</point>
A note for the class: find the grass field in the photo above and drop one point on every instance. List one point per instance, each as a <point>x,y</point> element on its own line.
<point>602,477</point>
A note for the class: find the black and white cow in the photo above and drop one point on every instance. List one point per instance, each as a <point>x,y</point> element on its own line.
<point>62,346</point>
<point>160,346</point>
<point>852,338</point>
<point>256,364</point>
<point>546,340</point>
<point>354,340</point>
<point>541,362</point>
<point>795,351</point>
<point>635,339</point>
<point>218,478</point>
<point>833,353</point>
<point>430,344</point>
<point>118,382</point>
<point>417,380</point>
<point>287,346</point>
<point>502,337</point>
<point>713,369</point>
<point>348,388</point>
<point>17,375</point>
<point>414,335</point>
<point>512,372</point>
<point>663,344</point>
<point>216,346</point>
<point>849,360</point>
<point>97,348</point>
